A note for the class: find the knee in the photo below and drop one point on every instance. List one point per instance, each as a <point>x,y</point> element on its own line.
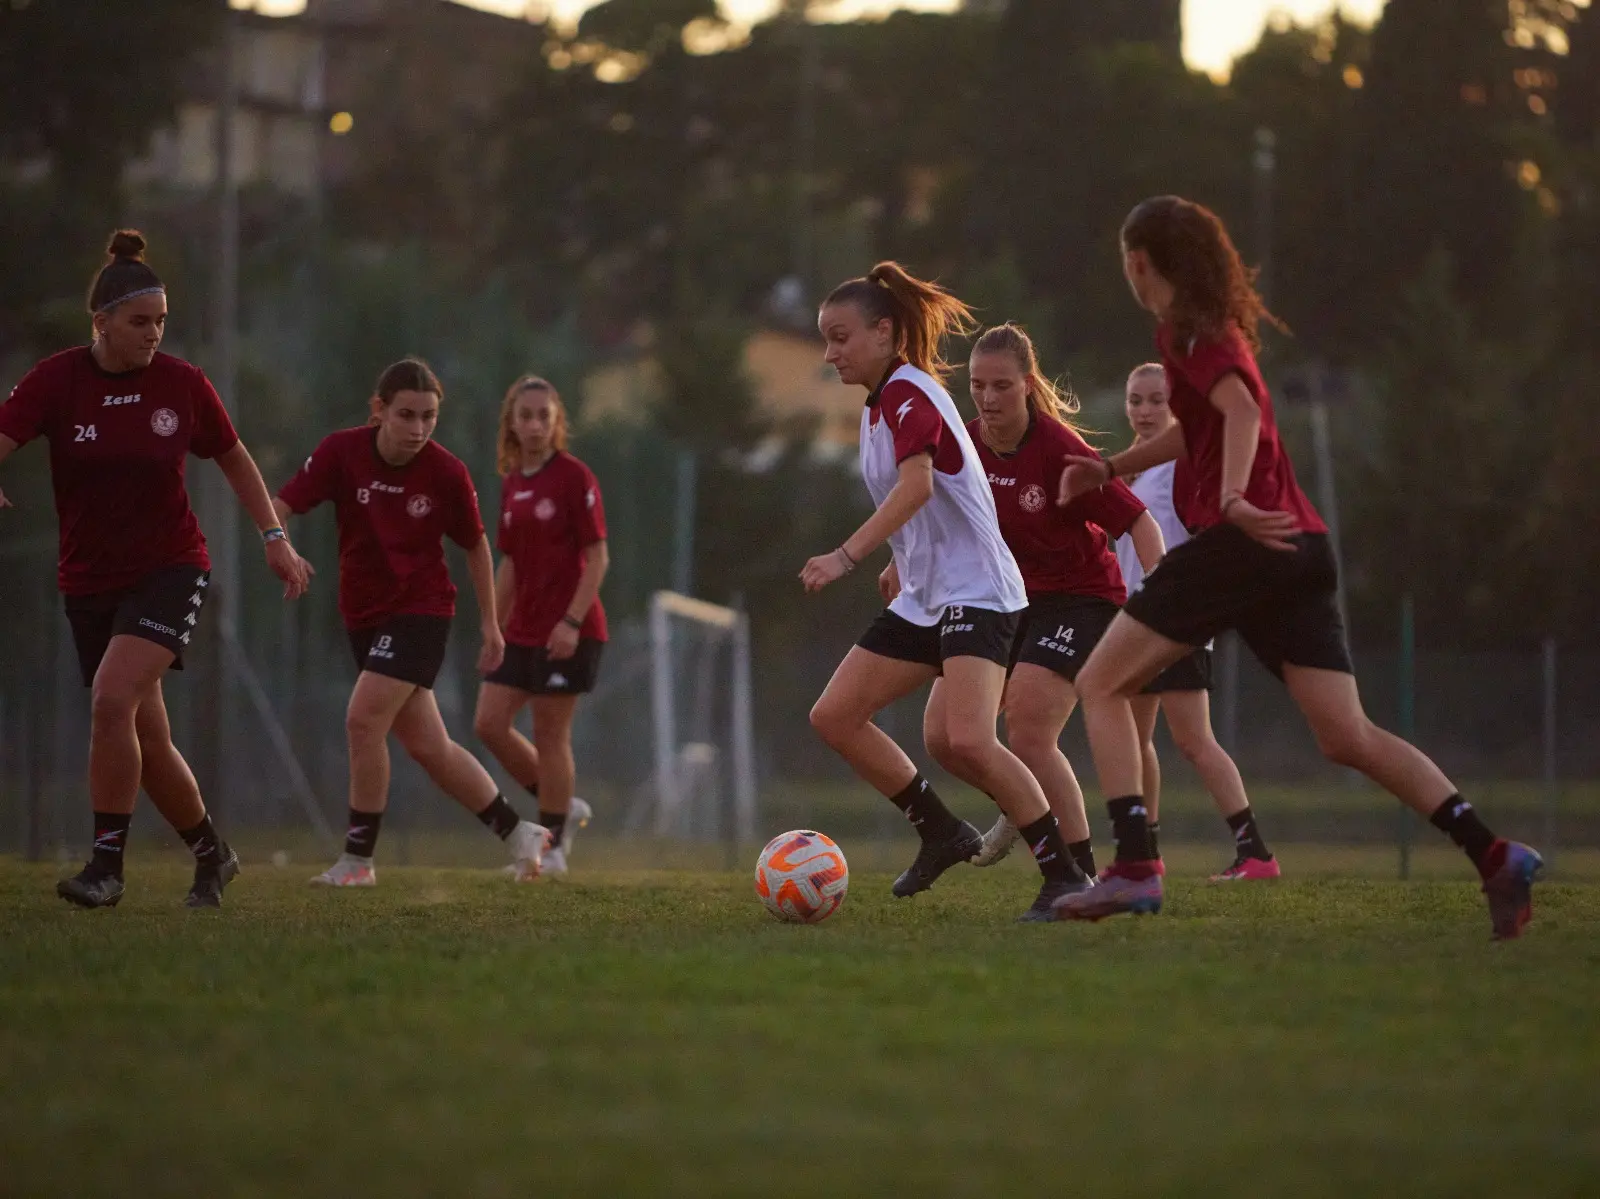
<point>1031,739</point>
<point>1346,743</point>
<point>111,706</point>
<point>363,727</point>
<point>970,748</point>
<point>427,750</point>
<point>489,727</point>
<point>1193,748</point>
<point>937,742</point>
<point>833,723</point>
<point>1094,684</point>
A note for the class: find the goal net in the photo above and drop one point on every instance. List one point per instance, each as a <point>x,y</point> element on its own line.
<point>703,784</point>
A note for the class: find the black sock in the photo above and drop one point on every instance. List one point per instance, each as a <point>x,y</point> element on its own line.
<point>1083,853</point>
<point>362,837</point>
<point>556,822</point>
<point>203,842</point>
<point>1049,850</point>
<point>110,839</point>
<point>1129,829</point>
<point>1247,837</point>
<point>501,817</point>
<point>1456,818</point>
<point>926,811</point>
<point>1152,830</point>
<point>533,791</point>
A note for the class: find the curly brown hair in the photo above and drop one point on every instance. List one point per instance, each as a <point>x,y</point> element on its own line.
<point>1190,246</point>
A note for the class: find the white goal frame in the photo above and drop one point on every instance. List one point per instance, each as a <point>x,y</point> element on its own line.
<point>671,766</point>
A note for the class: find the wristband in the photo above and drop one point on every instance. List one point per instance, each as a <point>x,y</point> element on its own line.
<point>276,533</point>
<point>573,621</point>
<point>849,562</point>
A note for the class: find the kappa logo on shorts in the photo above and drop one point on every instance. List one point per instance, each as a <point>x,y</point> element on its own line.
<point>1059,642</point>
<point>557,680</point>
<point>164,421</point>
<point>156,627</point>
<point>1032,498</point>
<point>419,506</point>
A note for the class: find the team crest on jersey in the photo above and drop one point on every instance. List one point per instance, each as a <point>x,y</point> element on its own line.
<point>1032,498</point>
<point>419,506</point>
<point>164,421</point>
<point>545,508</point>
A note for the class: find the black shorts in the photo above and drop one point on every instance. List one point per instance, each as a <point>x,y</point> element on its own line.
<point>406,647</point>
<point>530,668</point>
<point>962,632</point>
<point>1191,673</point>
<point>1059,631</point>
<point>163,607</point>
<point>1283,604</point>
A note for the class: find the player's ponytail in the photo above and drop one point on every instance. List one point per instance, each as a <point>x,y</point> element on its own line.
<point>124,275</point>
<point>1051,400</point>
<point>923,314</point>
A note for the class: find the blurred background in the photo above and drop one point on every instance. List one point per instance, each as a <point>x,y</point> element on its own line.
<point>643,200</point>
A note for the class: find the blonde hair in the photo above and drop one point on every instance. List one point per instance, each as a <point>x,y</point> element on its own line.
<point>1147,368</point>
<point>1054,401</point>
<point>508,450</point>
<point>923,313</point>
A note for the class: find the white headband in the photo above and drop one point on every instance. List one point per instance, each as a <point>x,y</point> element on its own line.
<point>143,291</point>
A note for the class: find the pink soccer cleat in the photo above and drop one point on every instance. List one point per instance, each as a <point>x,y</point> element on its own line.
<point>1247,870</point>
<point>1124,887</point>
<point>1508,876</point>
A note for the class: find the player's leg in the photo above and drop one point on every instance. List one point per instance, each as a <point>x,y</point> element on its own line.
<point>1145,708</point>
<point>973,689</point>
<point>170,784</point>
<point>1126,658</point>
<point>1038,704</point>
<point>375,701</point>
<point>420,729</point>
<point>494,721</point>
<point>1189,721</point>
<point>122,669</point>
<point>559,810</point>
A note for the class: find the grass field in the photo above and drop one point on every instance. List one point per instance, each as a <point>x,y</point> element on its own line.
<point>632,1033</point>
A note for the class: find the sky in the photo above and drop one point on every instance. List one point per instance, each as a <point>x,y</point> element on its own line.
<point>1215,31</point>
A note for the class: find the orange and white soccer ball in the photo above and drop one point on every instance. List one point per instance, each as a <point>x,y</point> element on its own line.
<point>802,877</point>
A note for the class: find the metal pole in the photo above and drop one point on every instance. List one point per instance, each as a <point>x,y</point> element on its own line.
<point>1551,781</point>
<point>744,769</point>
<point>1228,685</point>
<point>1408,714</point>
<point>805,145</point>
<point>661,712</point>
<point>1265,162</point>
<point>1327,489</point>
<point>683,530</point>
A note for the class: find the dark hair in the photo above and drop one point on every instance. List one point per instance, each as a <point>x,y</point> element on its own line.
<point>924,314</point>
<point>1190,246</point>
<point>409,374</point>
<point>124,271</point>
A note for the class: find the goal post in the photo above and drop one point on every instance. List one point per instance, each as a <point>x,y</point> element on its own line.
<point>692,642</point>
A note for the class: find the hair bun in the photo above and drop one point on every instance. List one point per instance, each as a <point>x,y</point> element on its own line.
<point>128,244</point>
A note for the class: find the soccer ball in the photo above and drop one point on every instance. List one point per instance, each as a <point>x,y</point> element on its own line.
<point>802,877</point>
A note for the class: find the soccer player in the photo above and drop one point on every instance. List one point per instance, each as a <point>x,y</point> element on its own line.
<point>954,592</point>
<point>1259,562</point>
<point>1024,435</point>
<point>552,540</point>
<point>397,494</point>
<point>121,418</point>
<point>1182,690</point>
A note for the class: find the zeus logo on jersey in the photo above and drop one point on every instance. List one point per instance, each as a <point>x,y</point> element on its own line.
<point>997,481</point>
<point>117,401</point>
<point>389,487</point>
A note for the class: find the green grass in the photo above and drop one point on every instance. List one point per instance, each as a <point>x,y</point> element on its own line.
<point>633,1033</point>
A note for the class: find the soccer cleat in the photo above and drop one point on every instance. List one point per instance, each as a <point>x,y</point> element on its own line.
<point>528,843</point>
<point>1123,887</point>
<point>348,871</point>
<point>578,816</point>
<point>1051,895</point>
<point>1246,870</point>
<point>1508,882</point>
<point>997,842</point>
<point>554,863</point>
<point>91,888</point>
<point>935,857</point>
<point>1156,865</point>
<point>210,880</point>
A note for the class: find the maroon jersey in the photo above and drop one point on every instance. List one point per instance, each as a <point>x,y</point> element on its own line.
<point>547,520</point>
<point>392,523</point>
<point>118,443</point>
<point>1066,550</point>
<point>1192,372</point>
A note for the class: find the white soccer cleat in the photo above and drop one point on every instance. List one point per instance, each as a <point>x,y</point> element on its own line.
<point>529,843</point>
<point>555,861</point>
<point>578,816</point>
<point>348,871</point>
<point>997,842</point>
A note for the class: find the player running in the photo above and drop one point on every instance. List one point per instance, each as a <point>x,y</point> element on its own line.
<point>955,595</point>
<point>1024,436</point>
<point>397,494</point>
<point>1259,562</point>
<point>121,418</point>
<point>1182,690</point>
<point>552,540</point>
